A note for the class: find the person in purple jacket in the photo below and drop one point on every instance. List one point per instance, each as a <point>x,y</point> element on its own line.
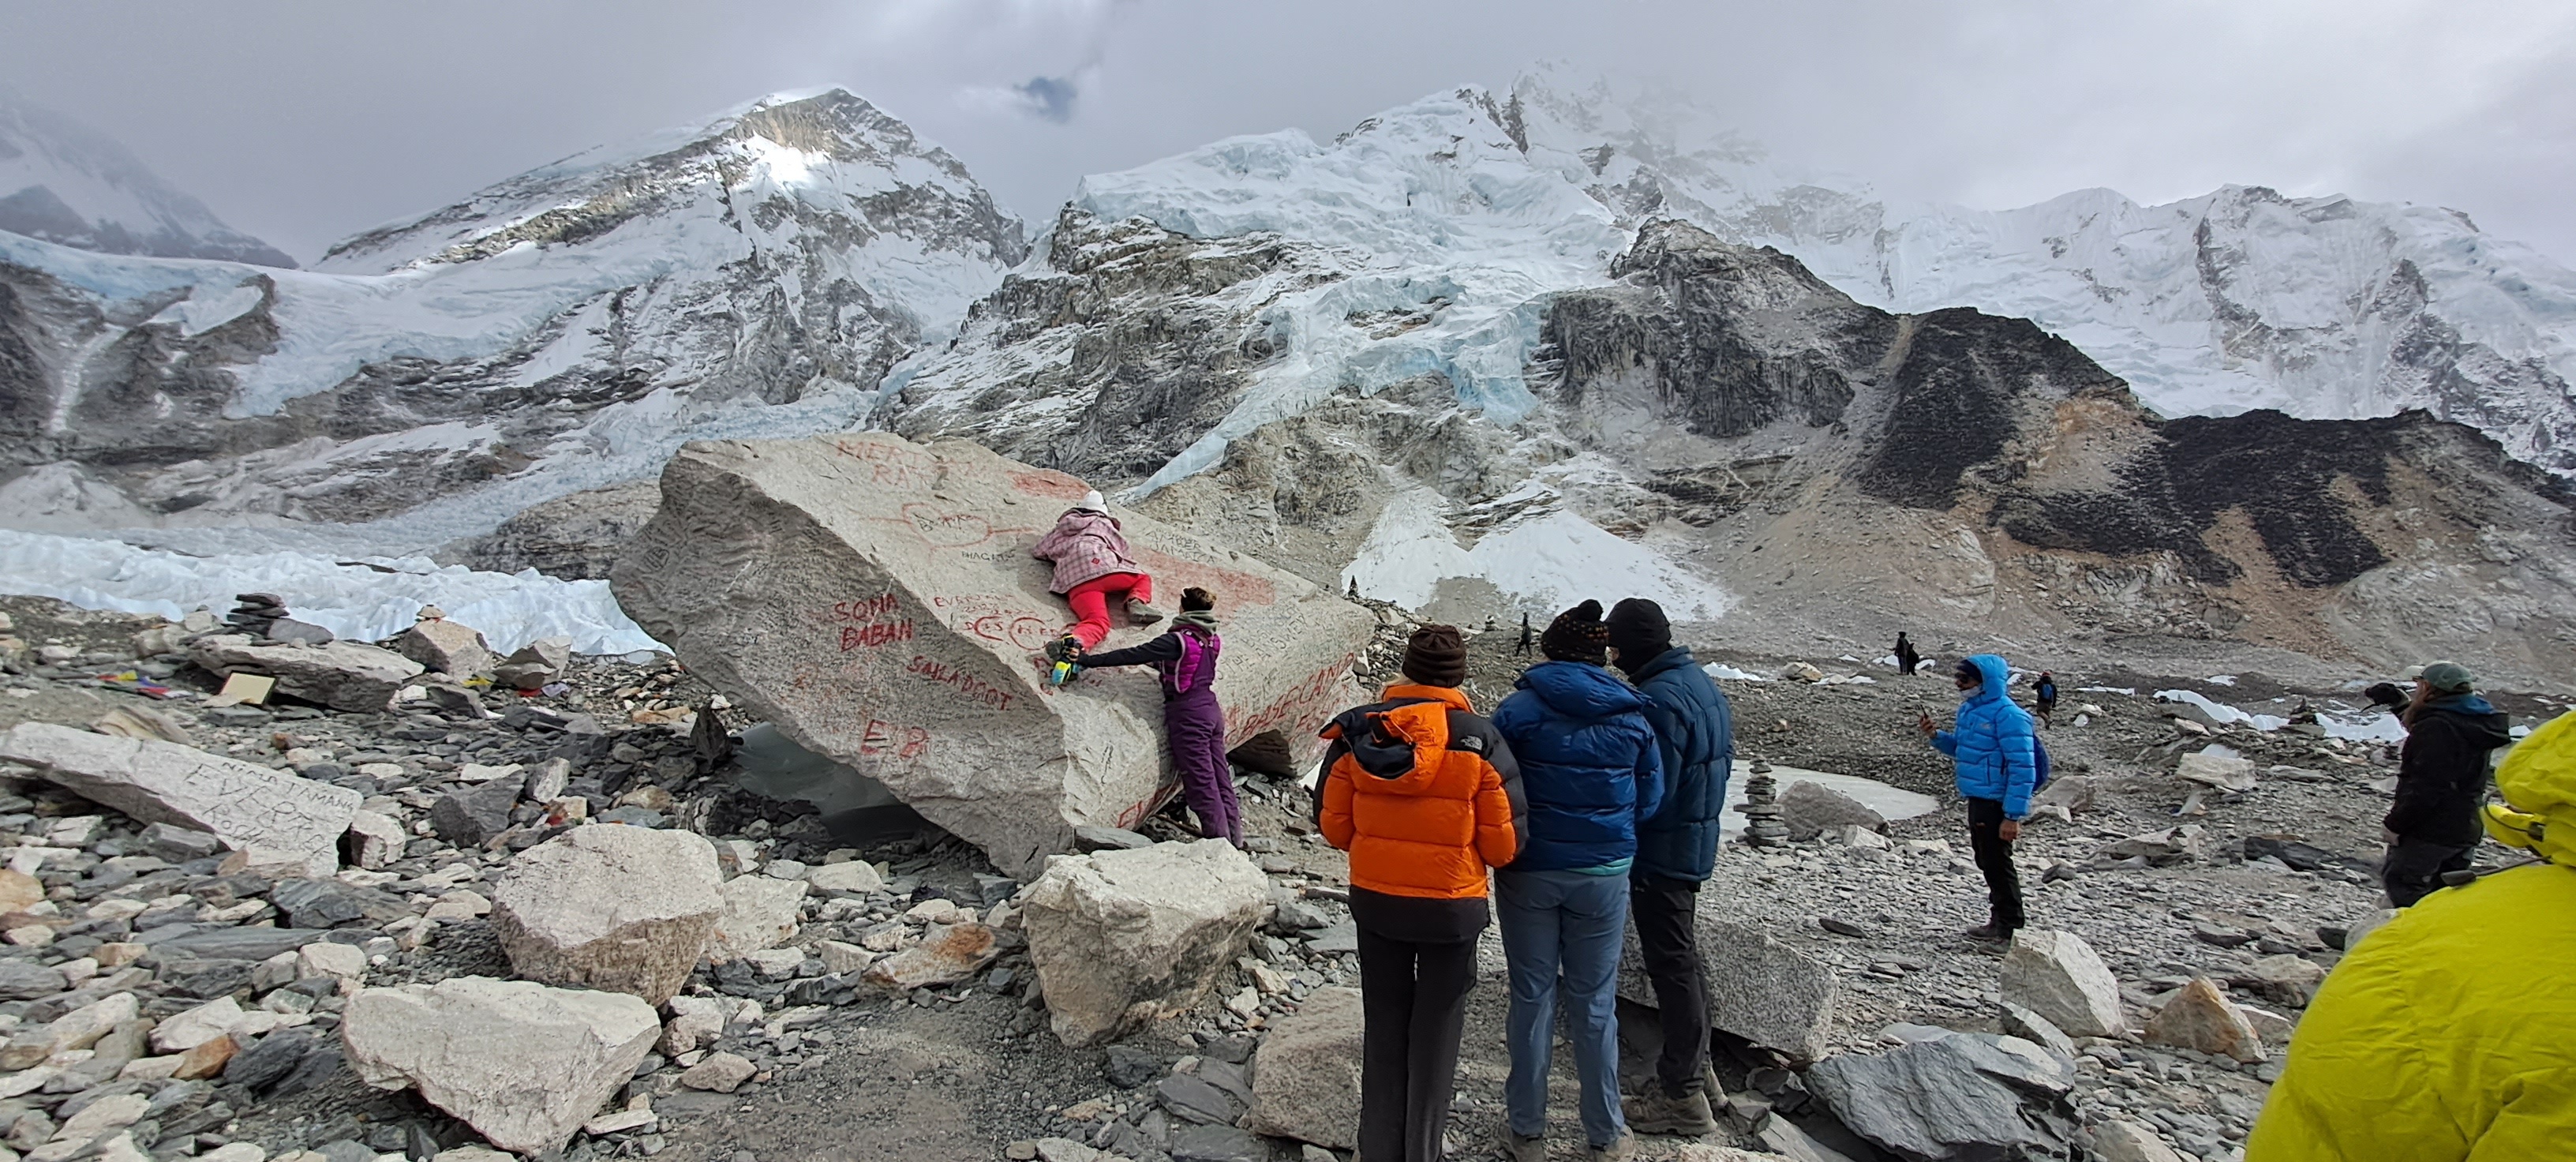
<point>1193,722</point>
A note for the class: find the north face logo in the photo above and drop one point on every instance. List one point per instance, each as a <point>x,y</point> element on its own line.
<point>1472,744</point>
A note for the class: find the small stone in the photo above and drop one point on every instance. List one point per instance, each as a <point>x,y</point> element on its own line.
<point>2119,1141</point>
<point>718,1073</point>
<point>2200,1018</point>
<point>851,876</point>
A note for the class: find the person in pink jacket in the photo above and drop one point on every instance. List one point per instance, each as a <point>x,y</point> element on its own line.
<point>1093,568</point>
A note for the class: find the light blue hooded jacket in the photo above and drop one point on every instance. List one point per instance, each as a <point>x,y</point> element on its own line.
<point>1990,742</point>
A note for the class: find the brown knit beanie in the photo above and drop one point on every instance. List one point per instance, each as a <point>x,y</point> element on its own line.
<point>1577,635</point>
<point>1436,656</point>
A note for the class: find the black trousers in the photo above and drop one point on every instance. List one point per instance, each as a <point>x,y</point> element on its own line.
<point>1994,857</point>
<point>2414,867</point>
<point>1668,935</point>
<point>1413,1001</point>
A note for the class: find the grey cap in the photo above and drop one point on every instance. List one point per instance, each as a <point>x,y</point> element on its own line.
<point>2447,677</point>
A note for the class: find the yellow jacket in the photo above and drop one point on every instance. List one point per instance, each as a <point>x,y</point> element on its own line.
<point>2449,1035</point>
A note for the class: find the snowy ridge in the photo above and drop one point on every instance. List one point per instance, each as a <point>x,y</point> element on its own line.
<point>563,329</point>
<point>2324,308</point>
<point>62,182</point>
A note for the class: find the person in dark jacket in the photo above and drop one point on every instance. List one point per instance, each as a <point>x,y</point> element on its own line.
<point>1529,637</point>
<point>1995,759</point>
<point>1676,848</point>
<point>1425,797</point>
<point>1906,658</point>
<point>1592,771</point>
<point>2043,698</point>
<point>1193,721</point>
<point>2441,780</point>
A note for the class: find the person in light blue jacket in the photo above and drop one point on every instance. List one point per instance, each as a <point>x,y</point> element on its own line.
<point>1994,754</point>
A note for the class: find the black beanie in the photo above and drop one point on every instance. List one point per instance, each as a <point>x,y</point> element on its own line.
<point>1577,635</point>
<point>1639,631</point>
<point>1436,656</point>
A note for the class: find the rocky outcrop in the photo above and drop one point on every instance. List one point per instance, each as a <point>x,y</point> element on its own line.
<point>348,676</point>
<point>807,579</point>
<point>1956,1095</point>
<point>1759,988</point>
<point>276,817</point>
<point>627,909</point>
<point>1124,937</point>
<point>523,1064</point>
<point>576,536</point>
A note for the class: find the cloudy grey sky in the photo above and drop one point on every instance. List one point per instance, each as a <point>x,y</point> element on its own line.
<point>305,122</point>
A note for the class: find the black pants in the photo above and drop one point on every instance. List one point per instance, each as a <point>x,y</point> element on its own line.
<point>1413,1000</point>
<point>1668,935</point>
<point>2414,867</point>
<point>1994,857</point>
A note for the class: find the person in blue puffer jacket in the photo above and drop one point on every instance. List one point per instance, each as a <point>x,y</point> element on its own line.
<point>1994,755</point>
<point>1592,773</point>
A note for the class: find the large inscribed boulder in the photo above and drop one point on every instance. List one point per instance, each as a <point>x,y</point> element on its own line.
<point>274,816</point>
<point>876,601</point>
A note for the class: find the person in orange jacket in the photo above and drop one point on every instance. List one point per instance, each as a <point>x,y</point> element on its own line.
<point>1425,796</point>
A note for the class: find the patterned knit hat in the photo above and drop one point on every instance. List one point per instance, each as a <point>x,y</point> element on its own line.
<point>1577,635</point>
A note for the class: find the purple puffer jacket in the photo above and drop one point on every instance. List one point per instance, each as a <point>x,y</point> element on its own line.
<point>1084,545</point>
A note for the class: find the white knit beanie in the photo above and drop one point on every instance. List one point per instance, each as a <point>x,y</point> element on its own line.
<point>1091,500</point>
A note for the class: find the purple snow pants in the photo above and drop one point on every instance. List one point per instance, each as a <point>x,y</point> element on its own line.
<point>1195,724</point>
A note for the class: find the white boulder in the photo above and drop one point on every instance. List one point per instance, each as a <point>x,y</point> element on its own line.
<point>1124,937</point>
<point>2058,976</point>
<point>759,912</point>
<point>629,909</point>
<point>1306,1077</point>
<point>523,1064</point>
<point>806,578</point>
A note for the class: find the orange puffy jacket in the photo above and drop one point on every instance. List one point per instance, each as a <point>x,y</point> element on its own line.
<point>1423,793</point>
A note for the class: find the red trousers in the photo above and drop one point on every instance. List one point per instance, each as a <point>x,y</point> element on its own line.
<point>1090,602</point>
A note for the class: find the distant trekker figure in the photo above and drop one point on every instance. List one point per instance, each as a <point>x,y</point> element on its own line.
<point>2441,781</point>
<point>1092,567</point>
<point>1529,637</point>
<point>2044,698</point>
<point>1994,753</point>
<point>1906,658</point>
<point>1193,721</point>
<point>1425,797</point>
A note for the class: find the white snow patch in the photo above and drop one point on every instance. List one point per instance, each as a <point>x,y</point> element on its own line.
<point>2223,712</point>
<point>1549,563</point>
<point>1731,674</point>
<point>349,599</point>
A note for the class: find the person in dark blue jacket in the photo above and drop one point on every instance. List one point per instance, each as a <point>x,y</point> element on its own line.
<point>1676,847</point>
<point>1592,772</point>
<point>1994,757</point>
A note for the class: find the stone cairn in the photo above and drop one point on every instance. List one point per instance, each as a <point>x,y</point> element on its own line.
<point>1762,826</point>
<point>256,613</point>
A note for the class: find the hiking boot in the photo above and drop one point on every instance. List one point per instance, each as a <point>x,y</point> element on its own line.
<point>1618,1150</point>
<point>1990,932</point>
<point>1520,1149</point>
<point>1686,1116</point>
<point>1139,613</point>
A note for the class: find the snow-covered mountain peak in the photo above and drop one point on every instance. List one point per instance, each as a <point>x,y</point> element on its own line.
<point>792,155</point>
<point>64,183</point>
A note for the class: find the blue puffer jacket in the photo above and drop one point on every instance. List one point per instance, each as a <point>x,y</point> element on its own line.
<point>1588,763</point>
<point>1695,740</point>
<point>1991,742</point>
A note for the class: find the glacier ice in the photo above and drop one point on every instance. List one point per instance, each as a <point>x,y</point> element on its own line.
<point>369,599</point>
